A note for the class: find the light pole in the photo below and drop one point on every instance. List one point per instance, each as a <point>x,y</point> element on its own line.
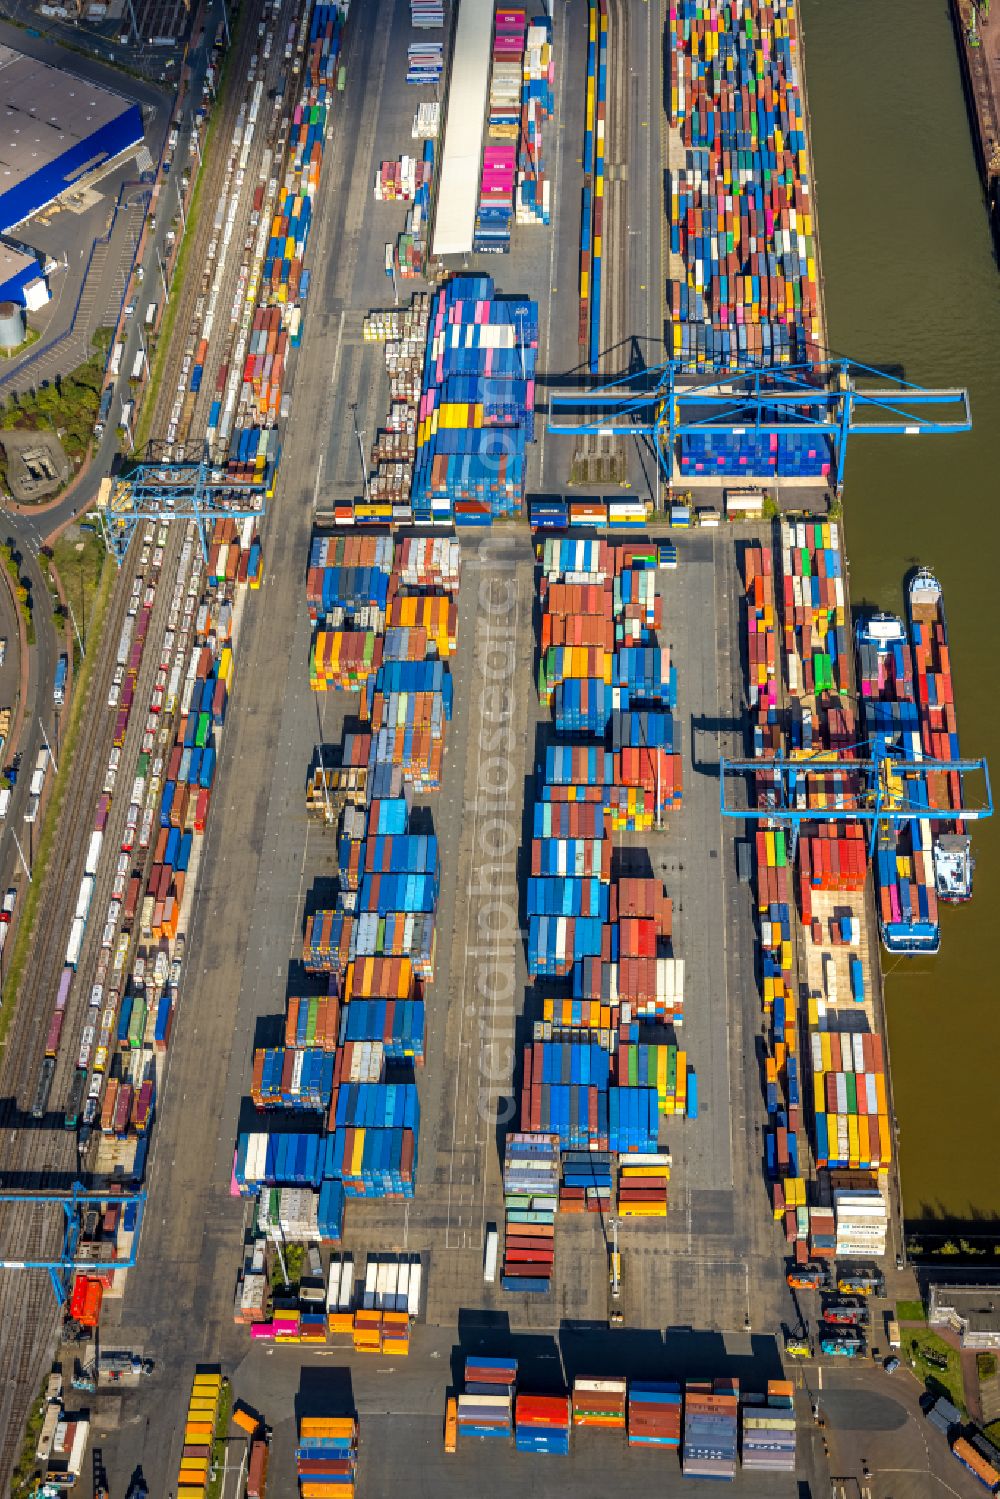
<point>361,450</point>
<point>20,855</point>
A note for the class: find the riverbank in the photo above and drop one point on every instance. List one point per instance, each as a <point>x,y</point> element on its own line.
<point>910,280</point>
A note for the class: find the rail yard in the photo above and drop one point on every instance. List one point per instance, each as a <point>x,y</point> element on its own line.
<point>463,958</point>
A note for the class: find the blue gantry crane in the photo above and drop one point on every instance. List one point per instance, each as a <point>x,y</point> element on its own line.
<point>74,1204</point>
<point>881,787</point>
<point>833,400</point>
<point>185,487</point>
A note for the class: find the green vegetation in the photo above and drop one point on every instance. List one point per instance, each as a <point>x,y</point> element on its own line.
<point>910,1311</point>
<point>295,1258</point>
<point>986,1365</point>
<point>835,510</point>
<point>68,407</point>
<point>21,593</point>
<point>769,509</point>
<point>217,1472</point>
<point>22,1483</point>
<point>32,896</point>
<point>942,1381</point>
<point>79,556</point>
<point>992,1432</point>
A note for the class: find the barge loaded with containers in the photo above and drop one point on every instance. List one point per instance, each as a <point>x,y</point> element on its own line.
<point>952,849</point>
<point>904,868</point>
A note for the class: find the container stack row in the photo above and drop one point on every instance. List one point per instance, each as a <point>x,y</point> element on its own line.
<point>592,215</point>
<point>477,405</point>
<point>326,1457</point>
<point>707,1424</point>
<point>768,1429</point>
<point>741,212</point>
<point>849,1090</point>
<point>403,332</point>
<point>935,692</point>
<point>711,1422</point>
<point>485,1408</point>
<point>531,1198</point>
<point>643,1186</point>
<point>424,63</point>
<point>242,424</point>
<point>495,209</point>
<point>199,1434</point>
<point>533,202</point>
<point>410,254</point>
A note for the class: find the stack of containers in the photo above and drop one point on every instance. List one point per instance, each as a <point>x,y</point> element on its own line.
<point>600,1402</point>
<point>711,1418</point>
<point>486,1406</point>
<point>292,1078</point>
<point>496,186</point>
<point>817,645</point>
<point>586,1182</point>
<point>533,202</point>
<point>592,216</point>
<point>199,1433</point>
<point>749,286</point>
<point>643,1187</point>
<point>403,332</point>
<point>531,1195</point>
<point>849,1092</point>
<point>411,242</point>
<point>768,1437</point>
<point>426,15</point>
<point>397,181</point>
<point>862,1222</point>
<point>326,1458</point>
<point>424,63</point>
<point>542,1423</point>
<point>477,405</point>
<point>654,1414</point>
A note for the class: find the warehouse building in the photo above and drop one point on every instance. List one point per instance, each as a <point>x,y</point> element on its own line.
<point>458,193</point>
<point>55,129</point>
<point>973,1312</point>
<point>21,275</point>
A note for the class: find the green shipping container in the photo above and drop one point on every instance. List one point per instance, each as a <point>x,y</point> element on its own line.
<point>137,1024</point>
<point>204,727</point>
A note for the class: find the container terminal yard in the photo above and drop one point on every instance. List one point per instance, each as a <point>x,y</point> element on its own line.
<point>487,907</point>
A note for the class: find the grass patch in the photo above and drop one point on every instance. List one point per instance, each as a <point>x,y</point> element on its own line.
<point>992,1432</point>
<point>165,334</point>
<point>79,555</point>
<point>31,336</point>
<point>217,1472</point>
<point>21,591</point>
<point>943,1381</point>
<point>910,1311</point>
<point>22,1483</point>
<point>68,406</point>
<point>986,1365</point>
<point>295,1258</point>
<point>47,842</point>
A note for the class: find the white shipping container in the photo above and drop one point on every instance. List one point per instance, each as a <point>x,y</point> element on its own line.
<point>93,852</point>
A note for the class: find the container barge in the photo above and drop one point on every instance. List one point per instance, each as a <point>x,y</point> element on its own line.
<point>951,850</point>
<point>904,862</point>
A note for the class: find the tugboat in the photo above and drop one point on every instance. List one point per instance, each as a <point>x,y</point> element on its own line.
<point>952,846</point>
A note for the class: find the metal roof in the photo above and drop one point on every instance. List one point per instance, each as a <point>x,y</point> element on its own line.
<point>458,187</point>
<point>45,111</point>
<point>13,262</point>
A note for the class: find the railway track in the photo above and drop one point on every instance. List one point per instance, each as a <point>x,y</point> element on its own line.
<point>600,460</point>
<point>42,1154</point>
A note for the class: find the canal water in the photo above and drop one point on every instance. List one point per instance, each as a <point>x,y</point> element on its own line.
<point>911,281</point>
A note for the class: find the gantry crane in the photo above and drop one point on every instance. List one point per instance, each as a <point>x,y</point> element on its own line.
<point>665,402</point>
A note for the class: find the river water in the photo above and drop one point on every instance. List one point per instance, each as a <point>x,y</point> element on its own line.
<point>911,280</point>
